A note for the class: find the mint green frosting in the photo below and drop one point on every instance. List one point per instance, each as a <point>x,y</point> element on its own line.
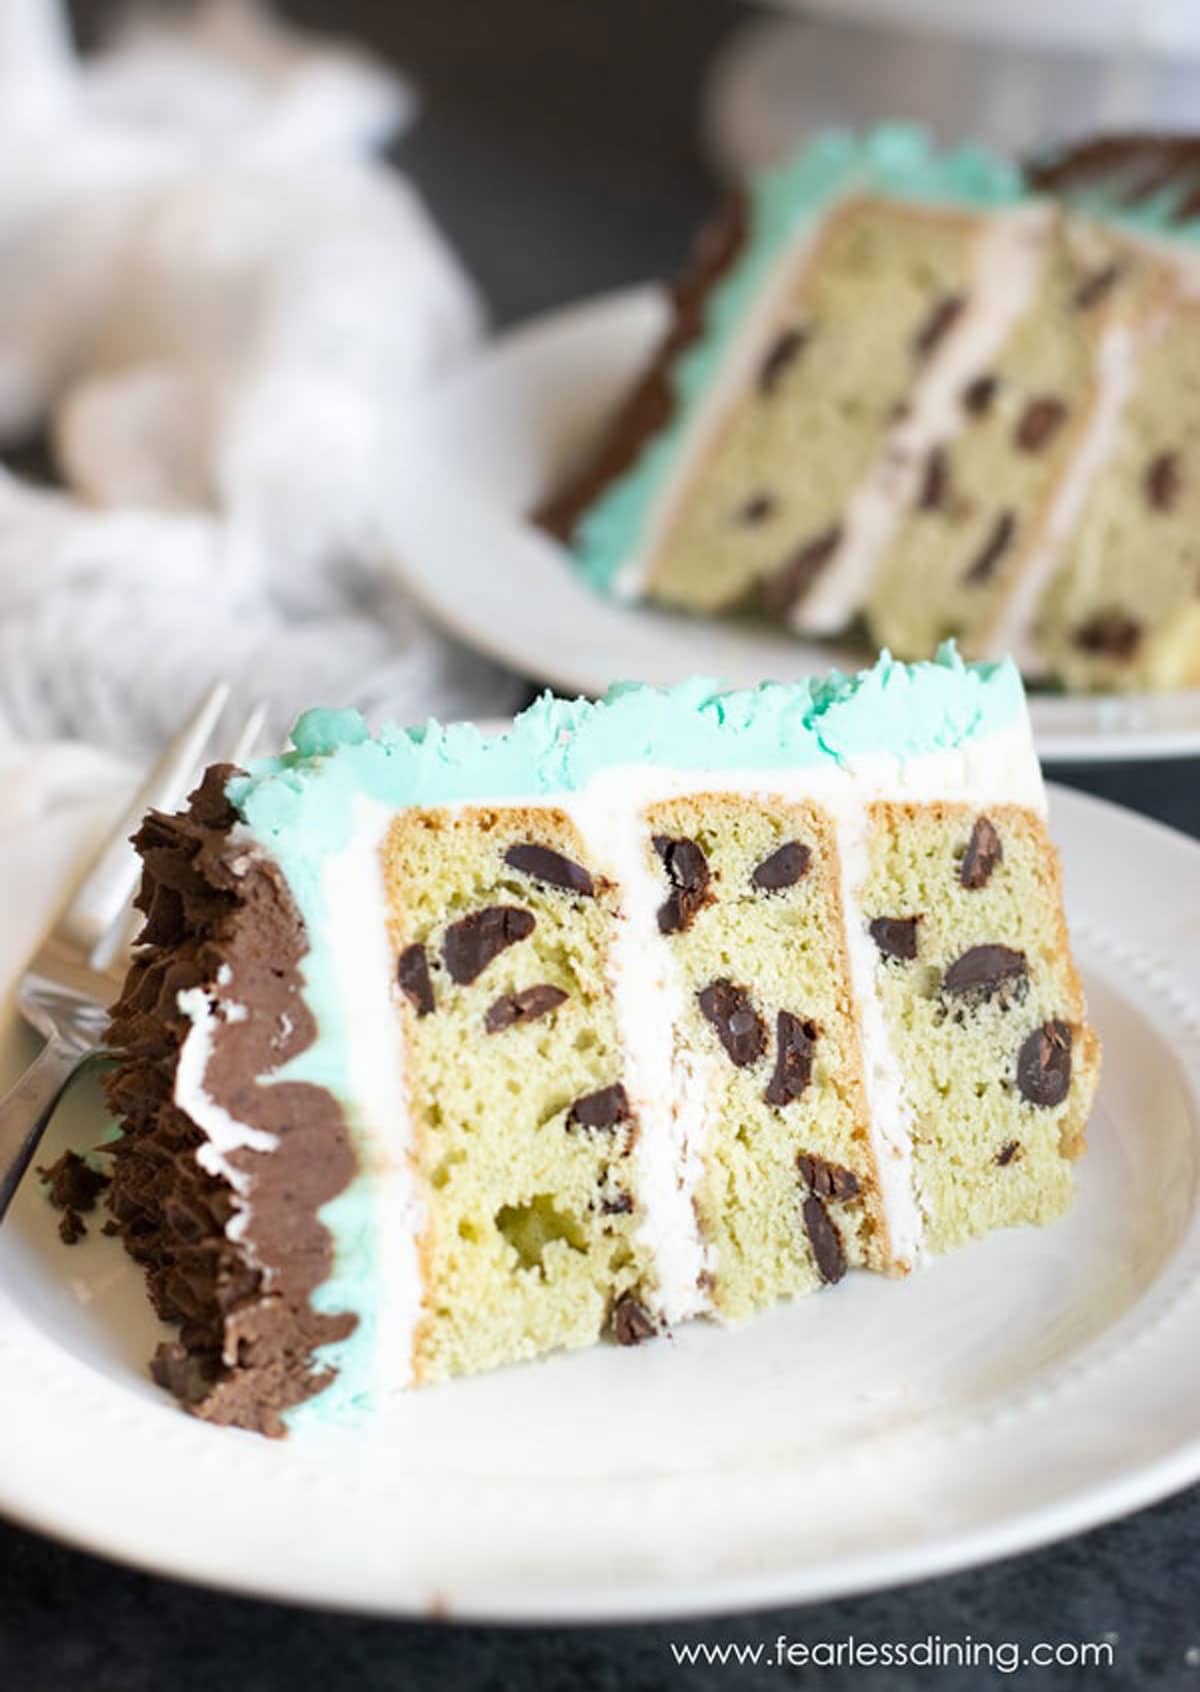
<point>300,808</point>
<point>897,161</point>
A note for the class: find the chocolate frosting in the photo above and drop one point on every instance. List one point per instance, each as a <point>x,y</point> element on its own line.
<point>649,406</point>
<point>247,1329</point>
<point>1135,166</point>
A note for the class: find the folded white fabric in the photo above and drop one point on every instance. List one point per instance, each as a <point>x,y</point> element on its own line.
<point>222,302</point>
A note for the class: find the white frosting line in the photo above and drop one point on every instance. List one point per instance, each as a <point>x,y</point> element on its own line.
<point>1117,358</point>
<point>207,1015</point>
<point>1008,261</point>
<point>667,1085</point>
<point>376,1101</point>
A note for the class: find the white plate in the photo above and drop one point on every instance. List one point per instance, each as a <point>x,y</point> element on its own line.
<point>1022,1389</point>
<point>470,464</point>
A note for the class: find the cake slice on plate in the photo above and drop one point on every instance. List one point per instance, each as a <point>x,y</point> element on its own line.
<point>912,388</point>
<point>444,1050</point>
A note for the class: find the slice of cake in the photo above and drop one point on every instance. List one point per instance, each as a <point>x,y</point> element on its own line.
<point>442,1050</point>
<point>893,389</point>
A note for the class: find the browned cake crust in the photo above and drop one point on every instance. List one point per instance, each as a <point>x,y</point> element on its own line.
<point>649,405</point>
<point>246,1326</point>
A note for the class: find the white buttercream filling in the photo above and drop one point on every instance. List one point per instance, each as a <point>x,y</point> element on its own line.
<point>1008,260</point>
<point>1117,358</point>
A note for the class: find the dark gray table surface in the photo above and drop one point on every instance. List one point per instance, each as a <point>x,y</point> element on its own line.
<point>558,149</point>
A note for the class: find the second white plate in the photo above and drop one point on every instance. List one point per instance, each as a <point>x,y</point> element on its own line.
<point>466,468</point>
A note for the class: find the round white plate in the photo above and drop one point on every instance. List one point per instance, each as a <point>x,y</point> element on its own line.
<point>465,470</point>
<point>1024,1388</point>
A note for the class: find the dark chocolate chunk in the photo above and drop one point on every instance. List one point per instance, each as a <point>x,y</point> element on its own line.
<point>1000,537</point>
<point>603,1110</point>
<point>978,395</point>
<point>543,864</point>
<point>825,1241</point>
<point>783,868</point>
<point>755,510</point>
<point>983,853</point>
<point>632,1322</point>
<point>827,1180</point>
<point>1040,421</point>
<point>471,944</point>
<point>935,484</point>
<point>944,314</point>
<point>783,353</point>
<point>794,1042</point>
<point>1093,288</point>
<point>983,971</point>
<point>525,1006</point>
<point>1010,1150</point>
<point>896,937</point>
<point>1161,481</point>
<point>687,868</point>
<point>412,972</point>
<point>621,1205</point>
<point>1109,634</point>
<point>72,1185</point>
<point>787,585</point>
<point>739,1027</point>
<point>1044,1064</point>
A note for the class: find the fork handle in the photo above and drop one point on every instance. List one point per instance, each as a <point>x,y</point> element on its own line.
<point>27,1108</point>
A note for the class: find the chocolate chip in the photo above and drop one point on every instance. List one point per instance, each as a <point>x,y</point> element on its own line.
<point>754,510</point>
<point>784,352</point>
<point>687,868</point>
<point>1040,421</point>
<point>1110,634</point>
<point>983,853</point>
<point>978,395</point>
<point>827,1180</point>
<point>1161,481</point>
<point>783,868</point>
<point>1000,538</point>
<point>621,1205</point>
<point>944,314</point>
<point>471,944</point>
<point>739,1027</point>
<point>600,1111</point>
<point>896,937</point>
<point>785,587</point>
<point>632,1322</point>
<point>551,867</point>
<point>525,1006</point>
<point>794,1042</point>
<point>936,482</point>
<point>1008,1152</point>
<point>412,972</point>
<point>983,971</point>
<point>1094,287</point>
<point>825,1240</point>
<point>1044,1064</point>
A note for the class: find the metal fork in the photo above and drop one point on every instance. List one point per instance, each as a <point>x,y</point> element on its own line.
<point>78,970</point>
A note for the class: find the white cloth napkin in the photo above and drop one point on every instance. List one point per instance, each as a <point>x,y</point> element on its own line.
<point>220,301</point>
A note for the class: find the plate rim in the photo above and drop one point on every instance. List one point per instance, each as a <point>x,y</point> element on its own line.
<point>673,1598</point>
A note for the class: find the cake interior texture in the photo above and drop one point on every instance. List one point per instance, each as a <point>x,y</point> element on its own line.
<point>442,1051</point>
<point>919,392</point>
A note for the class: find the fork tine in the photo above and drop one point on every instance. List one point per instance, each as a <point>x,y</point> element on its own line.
<point>113,874</point>
<point>113,951</point>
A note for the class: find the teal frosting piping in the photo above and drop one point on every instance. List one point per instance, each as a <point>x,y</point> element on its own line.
<point>896,161</point>
<point>300,808</point>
